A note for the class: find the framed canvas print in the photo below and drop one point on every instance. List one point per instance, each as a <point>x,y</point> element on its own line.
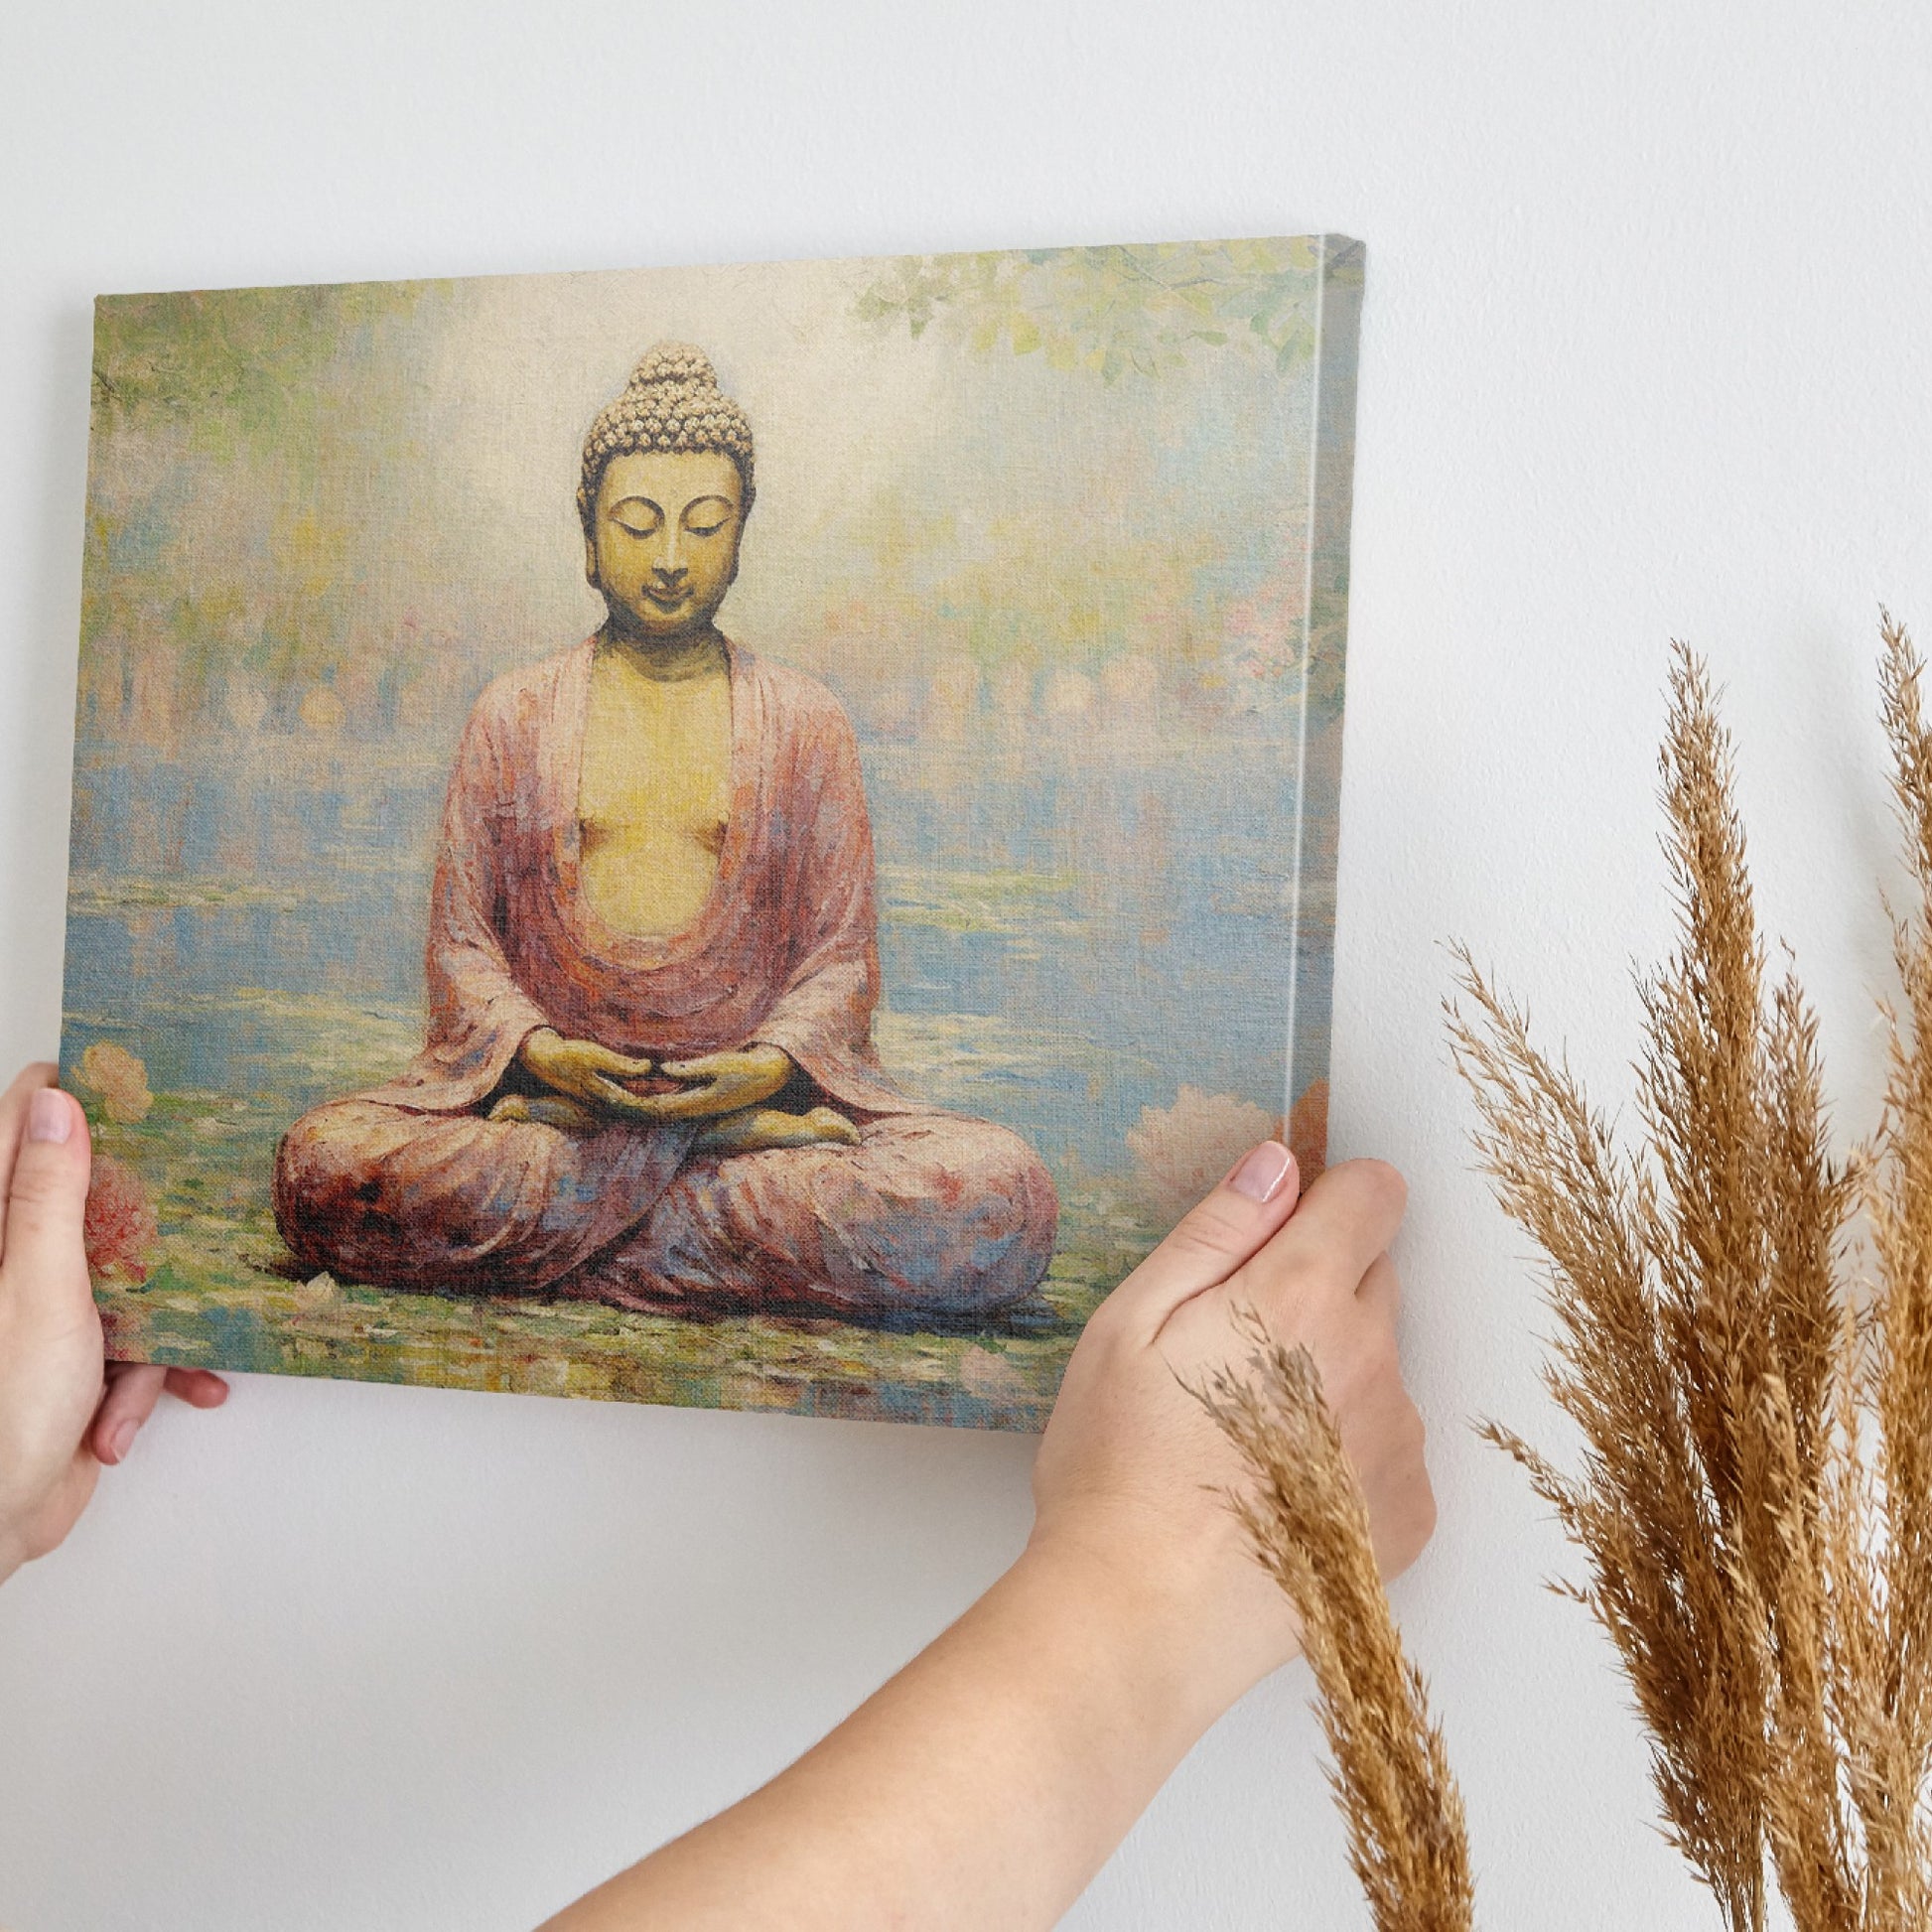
<point>738,836</point>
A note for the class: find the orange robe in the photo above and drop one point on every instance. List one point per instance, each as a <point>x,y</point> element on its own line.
<point>411,1186</point>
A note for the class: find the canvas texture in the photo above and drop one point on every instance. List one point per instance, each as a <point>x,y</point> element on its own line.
<point>483,972</point>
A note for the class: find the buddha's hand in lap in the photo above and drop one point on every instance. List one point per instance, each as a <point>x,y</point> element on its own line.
<point>716,1084</point>
<point>587,1082</point>
<point>549,1110</point>
<point>583,1071</point>
<point>757,1130</point>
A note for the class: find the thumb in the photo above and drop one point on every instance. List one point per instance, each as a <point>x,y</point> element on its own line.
<point>44,1259</point>
<point>1213,1239</point>
<point>625,1067</point>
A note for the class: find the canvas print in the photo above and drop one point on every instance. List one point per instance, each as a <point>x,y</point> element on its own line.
<point>735,836</point>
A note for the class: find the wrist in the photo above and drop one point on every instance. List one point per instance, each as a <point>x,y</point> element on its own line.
<point>535,1043</point>
<point>1165,1642</point>
<point>774,1070</point>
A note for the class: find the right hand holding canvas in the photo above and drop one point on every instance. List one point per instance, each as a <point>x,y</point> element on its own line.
<point>65,1410</point>
<point>1131,1472</point>
<point>1047,1717</point>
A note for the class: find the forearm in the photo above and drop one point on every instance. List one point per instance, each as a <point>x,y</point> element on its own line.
<point>983,1785</point>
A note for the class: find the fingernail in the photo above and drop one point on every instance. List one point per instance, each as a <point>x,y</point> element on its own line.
<point>50,1116</point>
<point>122,1440</point>
<point>1261,1174</point>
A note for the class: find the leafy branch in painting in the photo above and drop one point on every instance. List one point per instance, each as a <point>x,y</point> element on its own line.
<point>234,363</point>
<point>1753,1391</point>
<point>1230,640</point>
<point>1136,307</point>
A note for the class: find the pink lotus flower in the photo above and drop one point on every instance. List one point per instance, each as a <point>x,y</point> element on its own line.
<point>1181,1152</point>
<point>989,1376</point>
<point>1263,633</point>
<point>120,1225</point>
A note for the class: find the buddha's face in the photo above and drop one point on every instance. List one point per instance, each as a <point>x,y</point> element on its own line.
<point>664,541</point>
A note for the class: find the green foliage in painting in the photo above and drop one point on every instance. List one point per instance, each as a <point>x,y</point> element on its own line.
<point>234,364</point>
<point>1135,306</point>
<point>284,387</point>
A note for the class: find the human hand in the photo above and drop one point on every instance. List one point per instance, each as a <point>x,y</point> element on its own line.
<point>1044,1718</point>
<point>720,1083</point>
<point>1130,1474</point>
<point>585,1071</point>
<point>63,1410</point>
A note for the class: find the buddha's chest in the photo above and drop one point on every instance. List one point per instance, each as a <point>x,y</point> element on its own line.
<point>653,799</point>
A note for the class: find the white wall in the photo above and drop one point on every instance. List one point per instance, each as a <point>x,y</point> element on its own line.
<point>1644,355</point>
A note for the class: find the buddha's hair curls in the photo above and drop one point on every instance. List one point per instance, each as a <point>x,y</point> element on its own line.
<point>671,403</point>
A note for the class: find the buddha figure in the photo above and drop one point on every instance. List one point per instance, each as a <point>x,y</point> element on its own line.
<point>649,1075</point>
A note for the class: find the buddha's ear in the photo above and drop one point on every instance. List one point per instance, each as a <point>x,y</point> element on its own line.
<point>589,564</point>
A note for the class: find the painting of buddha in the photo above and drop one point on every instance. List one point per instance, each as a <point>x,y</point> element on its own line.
<point>744,836</point>
<point>653,961</point>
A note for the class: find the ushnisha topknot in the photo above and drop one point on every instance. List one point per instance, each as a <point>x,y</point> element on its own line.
<point>672,403</point>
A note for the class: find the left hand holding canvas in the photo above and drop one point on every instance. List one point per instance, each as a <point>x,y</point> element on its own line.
<point>65,1410</point>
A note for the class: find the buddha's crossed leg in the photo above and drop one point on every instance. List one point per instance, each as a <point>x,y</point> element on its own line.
<point>460,1204</point>
<point>930,1214</point>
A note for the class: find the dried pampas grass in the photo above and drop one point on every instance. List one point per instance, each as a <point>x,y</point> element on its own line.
<point>1755,1498</point>
<point>1308,1525</point>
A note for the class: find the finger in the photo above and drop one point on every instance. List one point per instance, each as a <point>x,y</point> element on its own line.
<point>45,1258</point>
<point>199,1388</point>
<point>133,1388</point>
<point>711,1067</point>
<point>13,1123</point>
<point>618,1063</point>
<point>128,1403</point>
<point>1348,1216</point>
<point>603,1092</point>
<point>1213,1239</point>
